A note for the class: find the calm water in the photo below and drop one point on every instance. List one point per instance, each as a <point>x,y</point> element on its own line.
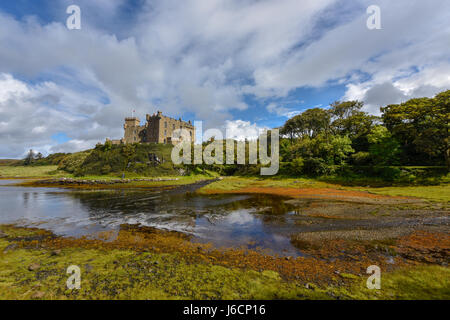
<point>227,220</point>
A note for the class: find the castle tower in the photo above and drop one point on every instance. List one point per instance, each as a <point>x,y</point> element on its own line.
<point>132,130</point>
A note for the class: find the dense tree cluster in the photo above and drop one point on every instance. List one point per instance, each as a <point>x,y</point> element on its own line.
<point>415,132</point>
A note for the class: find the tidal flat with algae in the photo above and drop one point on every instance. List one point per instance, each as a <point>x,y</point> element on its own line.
<point>145,263</point>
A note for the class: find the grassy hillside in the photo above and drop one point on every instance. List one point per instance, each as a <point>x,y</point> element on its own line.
<point>133,159</point>
<point>9,162</point>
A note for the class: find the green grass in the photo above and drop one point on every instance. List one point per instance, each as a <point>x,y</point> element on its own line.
<point>129,274</point>
<point>236,183</point>
<point>51,171</point>
<point>434,193</point>
<point>429,282</point>
<point>30,172</point>
<point>440,193</point>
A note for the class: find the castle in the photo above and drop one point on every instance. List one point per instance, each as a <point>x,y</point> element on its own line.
<point>158,129</point>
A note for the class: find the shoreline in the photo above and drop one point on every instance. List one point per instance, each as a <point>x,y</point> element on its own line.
<point>147,263</point>
<point>138,262</point>
<point>132,183</point>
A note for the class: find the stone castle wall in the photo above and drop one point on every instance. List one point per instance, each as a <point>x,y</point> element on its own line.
<point>158,129</point>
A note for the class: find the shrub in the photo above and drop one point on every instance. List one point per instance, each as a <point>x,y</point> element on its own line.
<point>361,158</point>
<point>316,167</point>
<point>387,173</point>
<point>296,166</point>
<point>73,161</point>
<point>106,169</point>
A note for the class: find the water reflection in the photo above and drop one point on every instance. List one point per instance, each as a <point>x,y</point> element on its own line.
<point>226,220</point>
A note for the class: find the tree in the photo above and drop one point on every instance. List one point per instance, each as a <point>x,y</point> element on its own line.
<point>29,157</point>
<point>343,110</point>
<point>349,120</point>
<point>333,150</point>
<point>421,126</point>
<point>289,129</point>
<point>310,123</point>
<point>315,121</point>
<point>383,147</point>
<point>442,103</point>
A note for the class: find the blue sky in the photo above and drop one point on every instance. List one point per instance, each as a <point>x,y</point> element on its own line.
<point>236,65</point>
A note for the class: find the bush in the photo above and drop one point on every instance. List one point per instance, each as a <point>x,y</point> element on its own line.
<point>297,166</point>
<point>317,167</point>
<point>73,162</point>
<point>387,173</point>
<point>106,169</point>
<point>361,158</point>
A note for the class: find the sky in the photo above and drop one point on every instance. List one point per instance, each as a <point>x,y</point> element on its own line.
<point>237,65</point>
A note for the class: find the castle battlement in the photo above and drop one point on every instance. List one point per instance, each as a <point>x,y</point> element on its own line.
<point>158,129</point>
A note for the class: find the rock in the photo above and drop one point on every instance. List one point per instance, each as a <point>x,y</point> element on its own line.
<point>3,235</point>
<point>34,266</point>
<point>38,295</point>
<point>310,286</point>
<point>337,272</point>
<point>390,260</point>
<point>56,252</point>
<point>288,258</point>
<point>10,247</point>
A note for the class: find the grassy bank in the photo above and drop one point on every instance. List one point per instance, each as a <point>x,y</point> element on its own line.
<point>35,173</point>
<point>33,265</point>
<point>13,171</point>
<point>440,193</point>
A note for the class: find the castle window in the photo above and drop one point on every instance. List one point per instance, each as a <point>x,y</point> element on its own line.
<point>165,124</point>
<point>165,132</point>
<point>173,127</point>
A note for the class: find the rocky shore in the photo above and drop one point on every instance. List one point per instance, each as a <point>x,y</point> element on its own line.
<point>70,181</point>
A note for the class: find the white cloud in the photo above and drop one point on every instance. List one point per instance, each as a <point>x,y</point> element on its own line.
<point>426,82</point>
<point>281,111</point>
<point>241,130</point>
<point>32,114</point>
<point>203,57</point>
<point>73,146</point>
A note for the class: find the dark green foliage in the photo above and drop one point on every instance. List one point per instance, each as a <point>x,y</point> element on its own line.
<point>422,128</point>
<point>317,167</point>
<point>327,141</point>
